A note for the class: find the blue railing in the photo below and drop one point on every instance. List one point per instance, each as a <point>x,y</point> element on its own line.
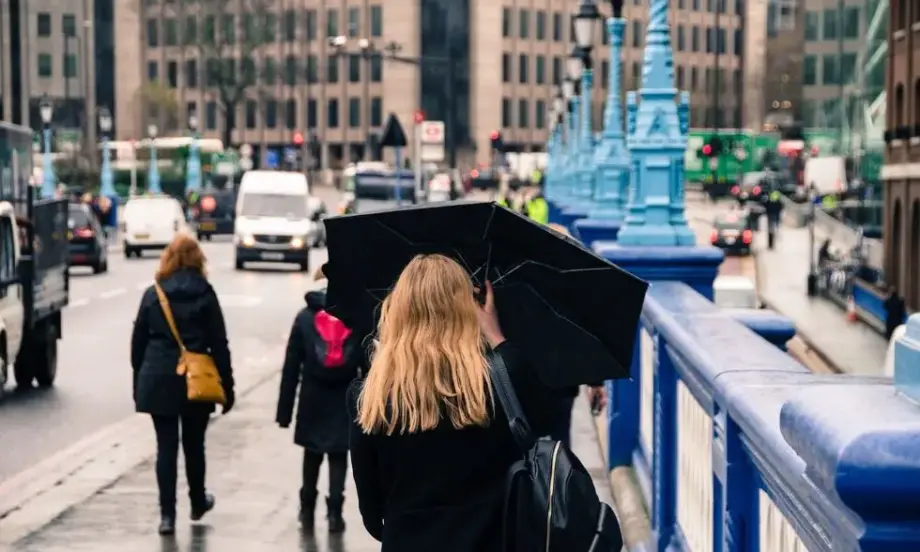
<point>738,447</point>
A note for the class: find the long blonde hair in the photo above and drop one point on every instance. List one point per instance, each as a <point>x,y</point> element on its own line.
<point>429,360</point>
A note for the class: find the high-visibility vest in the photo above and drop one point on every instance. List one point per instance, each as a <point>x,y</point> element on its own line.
<point>503,202</point>
<point>829,202</point>
<point>775,195</point>
<point>538,210</point>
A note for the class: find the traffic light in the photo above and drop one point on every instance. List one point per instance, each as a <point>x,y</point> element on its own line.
<point>497,144</point>
<point>706,151</point>
<point>297,138</point>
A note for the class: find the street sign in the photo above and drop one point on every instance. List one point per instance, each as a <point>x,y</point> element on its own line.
<point>431,140</point>
<point>393,134</point>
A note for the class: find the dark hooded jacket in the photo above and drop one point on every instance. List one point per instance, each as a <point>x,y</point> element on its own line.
<point>158,389</point>
<point>322,422</point>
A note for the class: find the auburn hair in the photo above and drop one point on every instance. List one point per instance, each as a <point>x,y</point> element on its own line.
<point>184,252</point>
<point>428,363</point>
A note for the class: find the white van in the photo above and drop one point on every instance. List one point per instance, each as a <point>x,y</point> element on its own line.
<point>151,222</point>
<point>734,292</point>
<point>274,220</point>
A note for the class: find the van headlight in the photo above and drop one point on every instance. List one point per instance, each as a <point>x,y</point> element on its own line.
<point>297,242</point>
<point>247,240</point>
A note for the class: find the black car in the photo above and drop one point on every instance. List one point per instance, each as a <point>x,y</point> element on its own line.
<point>86,239</point>
<point>733,233</point>
<point>214,213</point>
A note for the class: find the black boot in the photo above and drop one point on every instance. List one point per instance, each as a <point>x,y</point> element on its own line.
<point>202,507</point>
<point>167,524</point>
<point>307,506</point>
<point>334,513</point>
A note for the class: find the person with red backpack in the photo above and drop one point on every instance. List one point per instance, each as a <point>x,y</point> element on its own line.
<point>323,357</point>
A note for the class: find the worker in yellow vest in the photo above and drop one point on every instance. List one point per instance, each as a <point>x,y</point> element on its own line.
<point>536,208</point>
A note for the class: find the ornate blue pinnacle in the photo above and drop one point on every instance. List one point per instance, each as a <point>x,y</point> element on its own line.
<point>657,144</point>
<point>572,145</point>
<point>611,156</point>
<point>584,189</point>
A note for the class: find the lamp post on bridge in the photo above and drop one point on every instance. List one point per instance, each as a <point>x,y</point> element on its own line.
<point>106,179</point>
<point>46,110</point>
<point>153,172</point>
<point>557,113</point>
<point>193,166</point>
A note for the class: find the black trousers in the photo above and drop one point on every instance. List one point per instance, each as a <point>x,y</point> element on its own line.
<point>193,427</point>
<point>338,471</point>
<point>561,429</point>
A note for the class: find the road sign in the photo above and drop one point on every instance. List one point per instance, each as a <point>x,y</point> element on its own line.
<point>393,134</point>
<point>431,140</point>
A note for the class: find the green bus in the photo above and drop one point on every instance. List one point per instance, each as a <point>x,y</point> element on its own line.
<point>743,152</point>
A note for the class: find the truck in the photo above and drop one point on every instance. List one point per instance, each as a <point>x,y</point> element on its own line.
<point>34,280</point>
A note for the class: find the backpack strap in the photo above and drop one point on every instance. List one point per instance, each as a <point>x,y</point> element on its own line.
<point>502,386</point>
<point>167,313</point>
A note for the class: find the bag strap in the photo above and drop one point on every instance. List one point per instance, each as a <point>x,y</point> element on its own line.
<point>502,386</point>
<point>167,313</point>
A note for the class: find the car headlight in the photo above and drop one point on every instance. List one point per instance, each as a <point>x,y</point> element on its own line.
<point>248,241</point>
<point>297,242</point>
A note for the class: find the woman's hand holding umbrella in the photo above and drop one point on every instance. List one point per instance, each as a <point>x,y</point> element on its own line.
<point>488,319</point>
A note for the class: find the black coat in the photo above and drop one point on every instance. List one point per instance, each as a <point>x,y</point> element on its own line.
<point>443,489</point>
<point>158,389</point>
<point>322,413</point>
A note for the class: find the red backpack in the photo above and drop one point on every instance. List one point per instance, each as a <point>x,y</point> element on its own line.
<point>332,348</point>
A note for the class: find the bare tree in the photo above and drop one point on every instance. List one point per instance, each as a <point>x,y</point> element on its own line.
<point>159,104</point>
<point>230,34</point>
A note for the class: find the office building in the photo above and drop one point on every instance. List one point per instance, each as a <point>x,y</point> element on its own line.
<point>901,172</point>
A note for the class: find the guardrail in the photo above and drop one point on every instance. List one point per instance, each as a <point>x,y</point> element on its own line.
<point>841,235</point>
<point>738,447</point>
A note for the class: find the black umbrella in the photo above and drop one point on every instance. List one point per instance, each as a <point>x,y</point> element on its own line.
<point>576,312</point>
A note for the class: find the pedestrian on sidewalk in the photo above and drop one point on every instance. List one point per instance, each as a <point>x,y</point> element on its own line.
<point>895,311</point>
<point>430,446</point>
<point>160,391</point>
<point>323,357</point>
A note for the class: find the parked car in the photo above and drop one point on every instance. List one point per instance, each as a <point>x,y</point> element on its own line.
<point>214,213</point>
<point>86,239</point>
<point>732,232</point>
<point>151,222</point>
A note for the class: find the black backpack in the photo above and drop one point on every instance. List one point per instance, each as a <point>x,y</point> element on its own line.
<point>550,501</point>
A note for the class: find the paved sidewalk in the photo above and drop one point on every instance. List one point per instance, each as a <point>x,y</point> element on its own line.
<point>254,471</point>
<point>853,348</point>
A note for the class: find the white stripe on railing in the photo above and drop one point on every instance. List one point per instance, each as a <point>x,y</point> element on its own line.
<point>694,471</point>
<point>776,533</point>
<point>647,393</point>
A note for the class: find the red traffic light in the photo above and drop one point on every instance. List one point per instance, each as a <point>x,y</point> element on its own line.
<point>297,139</point>
<point>494,135</point>
<point>707,150</point>
<point>419,116</point>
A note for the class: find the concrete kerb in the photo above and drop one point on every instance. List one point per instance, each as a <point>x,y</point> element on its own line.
<point>36,497</point>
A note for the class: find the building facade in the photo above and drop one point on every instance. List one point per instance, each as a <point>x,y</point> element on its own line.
<point>487,65</point>
<point>48,49</point>
<point>901,172</point>
<point>778,75</point>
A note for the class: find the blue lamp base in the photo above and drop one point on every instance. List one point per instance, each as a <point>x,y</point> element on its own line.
<point>590,230</point>
<point>771,326</point>
<point>695,266</point>
<point>656,235</point>
<point>574,212</point>
<point>555,211</point>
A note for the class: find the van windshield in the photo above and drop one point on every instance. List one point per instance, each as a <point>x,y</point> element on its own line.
<point>274,205</point>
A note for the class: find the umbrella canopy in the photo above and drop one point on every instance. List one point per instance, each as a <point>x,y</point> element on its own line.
<point>576,312</point>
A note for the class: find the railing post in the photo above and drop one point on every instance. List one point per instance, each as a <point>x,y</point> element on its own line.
<point>735,509</point>
<point>623,413</point>
<point>771,326</point>
<point>664,460</point>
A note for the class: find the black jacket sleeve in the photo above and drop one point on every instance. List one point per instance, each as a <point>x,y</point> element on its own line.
<point>140,336</point>
<point>217,342</point>
<point>290,373</point>
<point>365,469</point>
<point>534,396</point>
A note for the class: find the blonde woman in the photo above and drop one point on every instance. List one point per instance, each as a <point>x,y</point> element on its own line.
<point>430,445</point>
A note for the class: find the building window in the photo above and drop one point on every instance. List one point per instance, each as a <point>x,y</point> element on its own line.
<point>830,73</point>
<point>541,25</point>
<point>251,111</point>
<point>191,73</point>
<point>830,24</point>
<point>312,69</point>
<point>376,21</point>
<point>153,33</point>
<point>541,70</point>
<point>557,27</point>
<point>172,74</point>
<point>522,68</point>
<point>506,67</point>
<point>354,22</point>
<point>310,25</point>
<point>290,70</point>
<point>354,112</point>
<point>69,24</point>
<point>271,113</point>
<point>680,38</point>
<point>376,68</point>
<point>332,69</point>
<point>290,114</point>
<point>781,16</point>
<point>190,31</point>
<point>540,115</point>
<point>171,32</point>
<point>311,113</point>
<point>851,22</point>
<point>605,74</point>
<point>44,24</point>
<point>269,71</point>
<point>720,40</point>
<point>289,31</point>
<point>506,113</point>
<point>810,70</point>
<point>250,71</point>
<point>210,116</point>
<point>332,113</point>
<point>523,113</point>
<point>847,68</point>
<point>636,34</point>
<point>354,68</point>
<point>524,23</point>
<point>709,40</point>
<point>739,42</point>
<point>228,30</point>
<point>376,112</point>
<point>45,65</point>
<point>557,71</point>
<point>812,26</point>
<point>506,22</point>
<point>208,30</point>
<point>695,39</point>
<point>332,25</point>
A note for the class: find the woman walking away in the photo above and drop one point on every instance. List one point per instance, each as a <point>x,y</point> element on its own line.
<point>182,304</point>
<point>323,357</point>
<point>430,446</point>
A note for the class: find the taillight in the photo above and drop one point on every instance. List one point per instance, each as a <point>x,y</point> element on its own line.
<point>85,233</point>
<point>714,237</point>
<point>208,204</point>
<point>756,190</point>
<point>747,237</point>
<point>736,190</point>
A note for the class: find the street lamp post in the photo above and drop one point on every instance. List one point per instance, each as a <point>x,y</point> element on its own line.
<point>585,25</point>
<point>570,90</point>
<point>106,179</point>
<point>367,51</point>
<point>153,173</point>
<point>193,168</point>
<point>554,160</point>
<point>46,109</point>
